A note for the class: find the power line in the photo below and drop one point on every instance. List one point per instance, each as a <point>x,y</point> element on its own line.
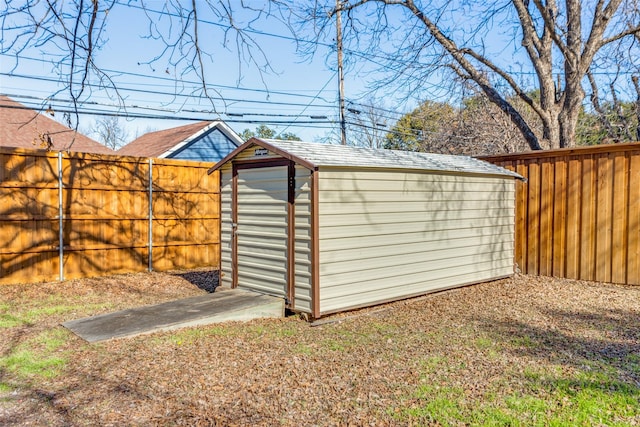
<point>172,81</point>
<point>137,90</point>
<point>180,95</point>
<point>395,114</point>
<point>86,108</point>
<point>321,89</point>
<point>309,123</point>
<point>226,27</point>
<point>392,116</point>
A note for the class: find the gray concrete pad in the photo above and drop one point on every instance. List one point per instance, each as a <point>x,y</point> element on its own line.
<point>220,306</point>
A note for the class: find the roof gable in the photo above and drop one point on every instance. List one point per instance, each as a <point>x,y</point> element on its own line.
<point>314,155</point>
<point>164,143</point>
<point>23,127</point>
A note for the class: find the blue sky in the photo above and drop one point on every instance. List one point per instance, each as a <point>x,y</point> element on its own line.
<point>298,89</point>
<point>292,96</point>
<point>297,85</point>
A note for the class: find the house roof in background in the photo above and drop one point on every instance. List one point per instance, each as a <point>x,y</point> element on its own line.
<point>21,127</point>
<point>313,155</point>
<point>164,142</point>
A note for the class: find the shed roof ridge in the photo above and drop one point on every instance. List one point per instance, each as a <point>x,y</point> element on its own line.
<point>320,154</point>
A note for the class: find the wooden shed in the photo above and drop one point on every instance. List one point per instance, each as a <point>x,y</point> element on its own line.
<point>331,228</point>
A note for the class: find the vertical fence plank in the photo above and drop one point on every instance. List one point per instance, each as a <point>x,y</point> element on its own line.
<point>619,218</point>
<point>150,214</point>
<point>533,219</point>
<point>633,222</point>
<point>60,218</point>
<point>546,218</point>
<point>588,223</point>
<point>574,202</point>
<point>604,217</point>
<point>559,217</point>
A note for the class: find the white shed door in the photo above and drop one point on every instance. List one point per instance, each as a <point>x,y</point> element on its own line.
<point>262,229</point>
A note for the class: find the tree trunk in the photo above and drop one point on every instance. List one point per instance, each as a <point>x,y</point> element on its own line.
<point>550,130</point>
<point>568,120</point>
<point>571,106</point>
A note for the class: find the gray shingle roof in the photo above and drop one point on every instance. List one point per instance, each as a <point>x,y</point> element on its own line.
<point>340,155</point>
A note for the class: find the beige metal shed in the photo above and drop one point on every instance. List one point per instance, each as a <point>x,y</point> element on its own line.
<point>330,228</point>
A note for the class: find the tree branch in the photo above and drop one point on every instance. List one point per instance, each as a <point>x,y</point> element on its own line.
<point>549,15</point>
<point>595,102</point>
<point>457,54</point>
<point>601,19</point>
<point>634,31</point>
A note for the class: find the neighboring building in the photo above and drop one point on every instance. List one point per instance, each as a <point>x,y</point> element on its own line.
<point>330,228</point>
<point>204,141</point>
<point>22,127</point>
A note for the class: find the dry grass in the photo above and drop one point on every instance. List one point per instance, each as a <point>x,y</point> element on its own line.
<point>520,351</point>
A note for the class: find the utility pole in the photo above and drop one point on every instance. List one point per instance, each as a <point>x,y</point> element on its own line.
<point>343,123</point>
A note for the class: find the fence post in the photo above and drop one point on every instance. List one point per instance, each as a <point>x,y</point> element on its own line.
<point>60,220</point>
<point>150,258</point>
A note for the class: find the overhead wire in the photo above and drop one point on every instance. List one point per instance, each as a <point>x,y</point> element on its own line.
<point>172,80</point>
<point>93,107</point>
<point>309,123</point>
<point>320,91</point>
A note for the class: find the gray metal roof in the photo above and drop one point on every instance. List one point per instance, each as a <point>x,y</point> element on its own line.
<point>319,154</point>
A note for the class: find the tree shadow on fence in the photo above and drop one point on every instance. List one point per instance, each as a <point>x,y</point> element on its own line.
<point>105,208</point>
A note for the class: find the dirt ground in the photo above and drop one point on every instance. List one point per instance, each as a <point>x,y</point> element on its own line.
<point>519,351</point>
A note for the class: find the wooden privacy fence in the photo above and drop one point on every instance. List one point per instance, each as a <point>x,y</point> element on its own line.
<point>65,216</point>
<point>578,214</point>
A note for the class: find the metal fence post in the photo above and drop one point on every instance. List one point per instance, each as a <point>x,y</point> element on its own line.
<point>60,220</point>
<point>150,258</point>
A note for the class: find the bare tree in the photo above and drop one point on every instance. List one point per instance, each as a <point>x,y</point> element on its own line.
<point>476,127</point>
<point>560,41</point>
<point>110,132</point>
<point>483,129</point>
<point>367,124</point>
<point>73,32</point>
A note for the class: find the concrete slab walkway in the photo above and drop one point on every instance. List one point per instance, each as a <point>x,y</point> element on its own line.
<point>220,306</point>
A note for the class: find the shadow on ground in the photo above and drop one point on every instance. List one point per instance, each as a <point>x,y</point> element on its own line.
<point>207,280</point>
<point>606,340</point>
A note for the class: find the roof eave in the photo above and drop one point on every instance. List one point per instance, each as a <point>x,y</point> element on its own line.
<point>257,141</point>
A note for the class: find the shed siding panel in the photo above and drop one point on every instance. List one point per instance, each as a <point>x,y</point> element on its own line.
<point>302,245</point>
<point>226,219</point>
<point>391,234</point>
